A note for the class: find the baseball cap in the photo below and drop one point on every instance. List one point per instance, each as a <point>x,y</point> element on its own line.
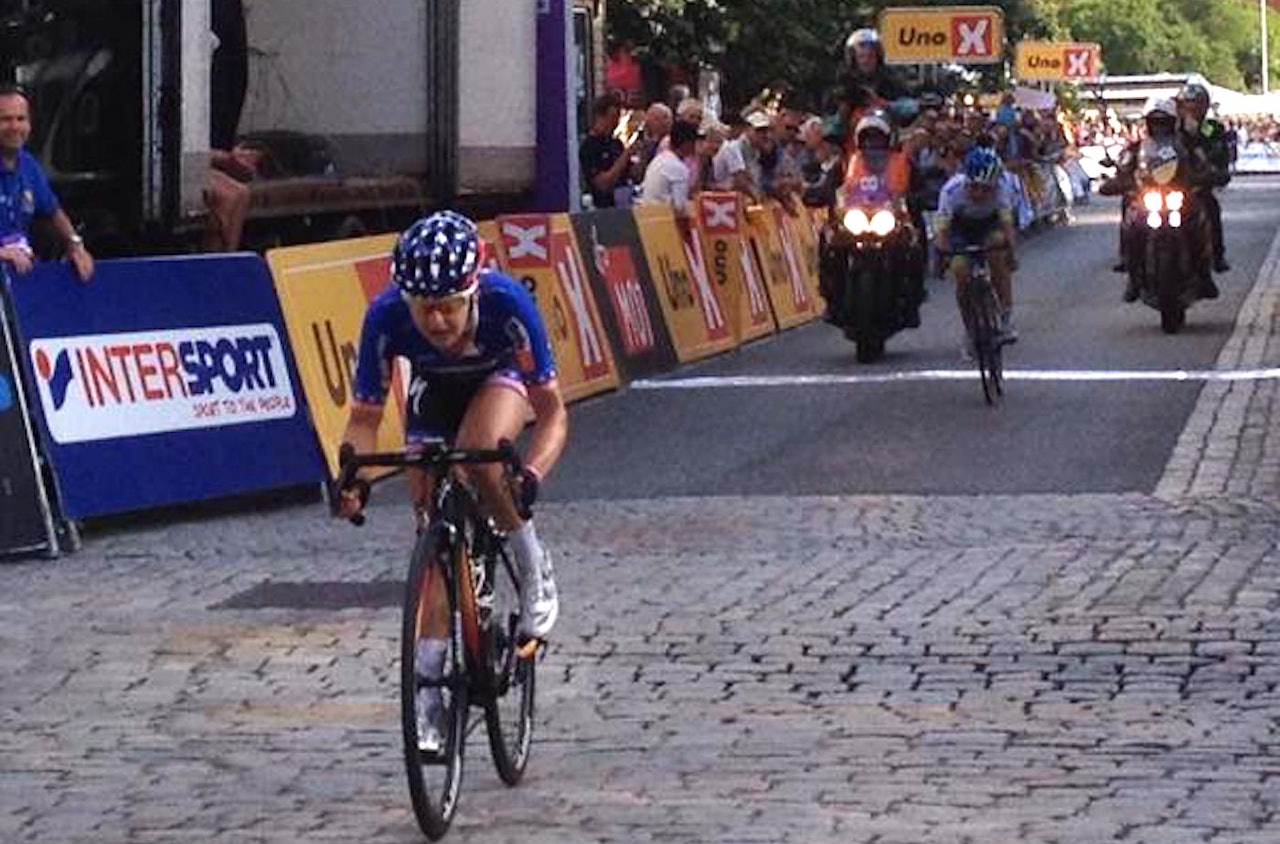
<point>759,120</point>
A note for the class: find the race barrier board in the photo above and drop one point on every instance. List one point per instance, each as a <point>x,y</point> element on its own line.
<point>165,380</point>
<point>542,252</point>
<point>695,313</point>
<point>25,520</point>
<point>625,291</point>
<point>801,237</point>
<point>776,255</point>
<point>324,291</point>
<point>1258,157</point>
<point>721,224</point>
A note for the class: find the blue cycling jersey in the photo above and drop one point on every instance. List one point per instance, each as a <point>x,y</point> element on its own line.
<point>510,336</point>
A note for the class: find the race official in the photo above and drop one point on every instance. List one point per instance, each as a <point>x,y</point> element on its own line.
<point>25,193</point>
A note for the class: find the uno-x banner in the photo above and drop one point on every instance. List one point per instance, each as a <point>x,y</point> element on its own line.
<point>162,381</point>
<point>540,251</point>
<point>625,292</point>
<point>25,524</point>
<point>324,290</point>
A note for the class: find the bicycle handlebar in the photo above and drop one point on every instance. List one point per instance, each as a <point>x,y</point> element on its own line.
<point>435,455</point>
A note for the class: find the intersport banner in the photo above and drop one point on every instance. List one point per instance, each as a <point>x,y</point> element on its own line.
<point>163,381</point>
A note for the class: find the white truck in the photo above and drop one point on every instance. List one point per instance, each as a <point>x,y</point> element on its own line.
<point>365,112</point>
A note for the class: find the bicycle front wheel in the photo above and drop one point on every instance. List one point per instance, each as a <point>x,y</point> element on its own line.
<point>509,716</point>
<point>986,344</point>
<point>433,764</point>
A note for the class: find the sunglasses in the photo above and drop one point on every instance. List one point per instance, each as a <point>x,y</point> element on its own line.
<point>446,306</point>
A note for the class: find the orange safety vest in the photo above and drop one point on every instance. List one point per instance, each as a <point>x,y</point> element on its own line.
<point>896,174</point>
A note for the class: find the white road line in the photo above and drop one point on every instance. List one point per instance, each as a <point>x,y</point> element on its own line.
<point>1093,376</point>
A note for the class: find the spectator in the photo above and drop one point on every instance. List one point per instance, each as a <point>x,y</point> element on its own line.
<point>603,157</point>
<point>690,111</point>
<point>667,178</point>
<point>711,139</point>
<point>780,175</point>
<point>658,120</point>
<point>25,193</point>
<point>227,194</point>
<point>757,142</point>
<point>728,168</point>
<point>821,187</point>
<point>811,152</point>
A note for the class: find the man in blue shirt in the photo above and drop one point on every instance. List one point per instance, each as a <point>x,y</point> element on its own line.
<point>25,192</point>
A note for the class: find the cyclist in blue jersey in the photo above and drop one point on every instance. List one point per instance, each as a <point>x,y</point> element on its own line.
<point>976,209</point>
<point>482,369</point>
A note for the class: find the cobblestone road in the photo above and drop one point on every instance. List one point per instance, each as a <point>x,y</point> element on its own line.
<point>879,669</point>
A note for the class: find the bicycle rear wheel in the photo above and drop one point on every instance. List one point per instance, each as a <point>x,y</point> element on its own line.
<point>435,778</point>
<point>509,716</point>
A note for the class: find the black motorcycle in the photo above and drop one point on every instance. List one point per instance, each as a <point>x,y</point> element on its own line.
<point>1167,234</point>
<point>866,258</point>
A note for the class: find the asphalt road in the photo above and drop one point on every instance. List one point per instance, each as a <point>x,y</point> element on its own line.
<point>937,436</point>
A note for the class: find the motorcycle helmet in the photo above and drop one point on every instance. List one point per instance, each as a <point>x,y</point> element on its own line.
<point>982,166</point>
<point>1161,116</point>
<point>437,256</point>
<point>872,123</point>
<point>863,39</point>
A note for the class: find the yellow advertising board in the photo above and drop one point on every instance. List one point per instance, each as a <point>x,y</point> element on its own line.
<point>542,251</point>
<point>722,225</point>
<point>942,34</point>
<point>777,255</point>
<point>1057,61</point>
<point>695,311</point>
<point>804,238</point>
<point>324,291</point>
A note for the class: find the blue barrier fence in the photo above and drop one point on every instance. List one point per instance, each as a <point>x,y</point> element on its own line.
<point>163,381</point>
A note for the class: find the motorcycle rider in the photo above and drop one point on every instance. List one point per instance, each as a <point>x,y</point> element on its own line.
<point>976,209</point>
<point>866,82</point>
<point>1199,130</point>
<point>1161,118</point>
<point>880,173</point>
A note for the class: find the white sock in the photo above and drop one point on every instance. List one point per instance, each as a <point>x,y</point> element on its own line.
<point>428,658</point>
<point>527,548</point>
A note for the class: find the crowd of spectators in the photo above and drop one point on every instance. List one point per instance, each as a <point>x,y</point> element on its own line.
<point>671,150</point>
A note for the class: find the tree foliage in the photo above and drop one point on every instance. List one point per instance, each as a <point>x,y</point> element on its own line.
<point>796,44</point>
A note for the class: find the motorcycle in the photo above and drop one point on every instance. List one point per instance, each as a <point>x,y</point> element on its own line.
<point>1168,235</point>
<point>866,254</point>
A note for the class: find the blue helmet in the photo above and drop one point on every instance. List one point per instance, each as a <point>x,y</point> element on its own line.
<point>982,165</point>
<point>437,256</point>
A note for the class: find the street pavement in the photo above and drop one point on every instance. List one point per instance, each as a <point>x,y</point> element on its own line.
<point>801,614</point>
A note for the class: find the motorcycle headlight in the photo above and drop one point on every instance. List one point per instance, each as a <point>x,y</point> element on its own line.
<point>1153,219</point>
<point>1153,201</point>
<point>1175,200</point>
<point>1175,219</point>
<point>855,220</point>
<point>883,223</point>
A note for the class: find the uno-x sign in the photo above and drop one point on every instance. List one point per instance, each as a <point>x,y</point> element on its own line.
<point>1080,63</point>
<point>1054,61</point>
<point>972,36</point>
<point>720,212</point>
<point>525,238</point>
<point>942,34</point>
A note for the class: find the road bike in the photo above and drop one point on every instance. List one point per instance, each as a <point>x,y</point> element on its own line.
<point>489,665</point>
<point>980,309</point>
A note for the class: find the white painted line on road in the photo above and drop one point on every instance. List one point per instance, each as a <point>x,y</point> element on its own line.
<point>1093,376</point>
